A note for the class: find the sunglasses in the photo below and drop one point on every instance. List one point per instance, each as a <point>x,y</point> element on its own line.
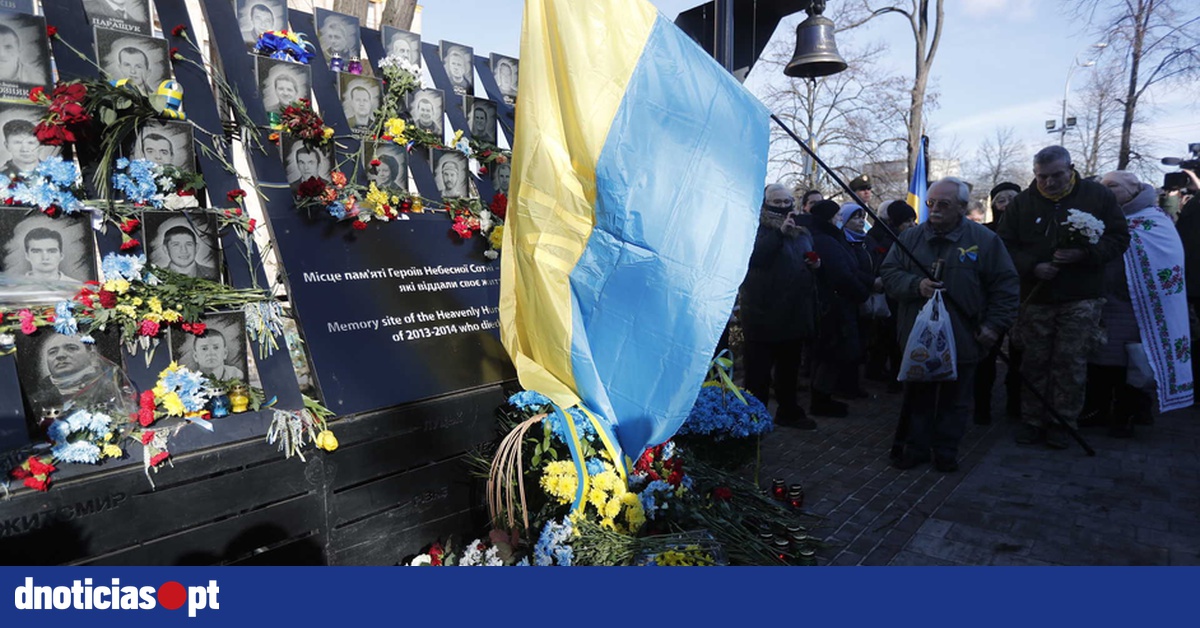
<point>939,204</point>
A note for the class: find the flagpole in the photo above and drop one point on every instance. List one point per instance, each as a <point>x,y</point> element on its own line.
<point>1037,394</point>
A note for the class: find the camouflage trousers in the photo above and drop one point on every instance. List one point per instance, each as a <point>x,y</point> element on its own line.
<point>1058,339</point>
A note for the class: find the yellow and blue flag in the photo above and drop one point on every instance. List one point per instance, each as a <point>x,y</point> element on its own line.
<point>918,188</point>
<point>638,170</point>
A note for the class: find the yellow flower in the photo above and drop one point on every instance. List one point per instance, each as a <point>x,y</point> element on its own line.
<point>496,237</point>
<point>328,132</point>
<point>629,498</point>
<point>327,441</point>
<point>612,508</point>
<point>597,498</point>
<point>137,301</point>
<point>171,368</point>
<point>395,127</point>
<point>376,199</point>
<point>119,286</point>
<point>173,404</point>
<point>155,305</point>
<point>457,137</point>
<point>127,310</point>
<point>153,317</point>
<point>171,316</point>
<point>605,481</point>
<point>112,451</point>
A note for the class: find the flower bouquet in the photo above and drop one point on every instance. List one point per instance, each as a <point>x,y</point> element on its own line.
<point>1081,229</point>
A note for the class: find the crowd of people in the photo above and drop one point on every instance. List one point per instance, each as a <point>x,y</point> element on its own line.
<point>1093,320</point>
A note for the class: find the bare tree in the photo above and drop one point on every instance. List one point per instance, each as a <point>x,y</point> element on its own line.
<point>1158,41</point>
<point>1001,157</point>
<point>1096,140</point>
<point>399,13</point>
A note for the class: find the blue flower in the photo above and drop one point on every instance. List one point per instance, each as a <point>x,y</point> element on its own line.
<point>595,466</point>
<point>718,413</point>
<point>558,426</point>
<point>337,210</point>
<point>529,400</point>
<point>60,172</point>
<point>553,545</point>
<point>129,267</point>
<point>81,452</point>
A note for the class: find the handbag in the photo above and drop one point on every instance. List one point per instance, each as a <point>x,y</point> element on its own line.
<point>875,307</point>
<point>1138,373</point>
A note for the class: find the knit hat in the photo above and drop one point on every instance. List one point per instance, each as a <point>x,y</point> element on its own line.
<point>1007,185</point>
<point>900,212</point>
<point>846,212</point>
<point>824,210</point>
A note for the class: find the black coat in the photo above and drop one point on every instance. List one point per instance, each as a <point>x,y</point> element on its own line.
<point>842,285</point>
<point>1189,231</point>
<point>778,297</point>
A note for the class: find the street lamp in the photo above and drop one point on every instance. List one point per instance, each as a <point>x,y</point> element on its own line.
<point>1066,122</point>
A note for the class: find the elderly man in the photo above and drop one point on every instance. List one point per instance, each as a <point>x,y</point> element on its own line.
<point>1062,285</point>
<point>983,288</point>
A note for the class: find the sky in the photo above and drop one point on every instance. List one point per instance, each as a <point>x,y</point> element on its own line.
<point>1001,63</point>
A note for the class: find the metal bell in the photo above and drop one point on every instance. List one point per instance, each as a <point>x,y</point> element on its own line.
<point>816,52</point>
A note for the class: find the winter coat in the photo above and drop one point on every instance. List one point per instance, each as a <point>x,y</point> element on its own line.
<point>1189,231</point>
<point>1120,323</point>
<point>841,286</point>
<point>978,276</point>
<point>1031,230</point>
<point>778,297</point>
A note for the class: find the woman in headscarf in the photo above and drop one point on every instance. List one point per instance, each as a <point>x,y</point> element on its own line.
<point>853,221</point>
<point>1145,304</point>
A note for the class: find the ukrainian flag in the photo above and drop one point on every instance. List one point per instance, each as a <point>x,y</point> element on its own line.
<point>917,188</point>
<point>638,170</point>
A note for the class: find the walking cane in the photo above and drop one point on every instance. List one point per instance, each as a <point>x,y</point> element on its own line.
<point>1037,394</point>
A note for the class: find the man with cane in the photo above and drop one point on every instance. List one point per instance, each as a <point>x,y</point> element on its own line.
<point>978,274</point>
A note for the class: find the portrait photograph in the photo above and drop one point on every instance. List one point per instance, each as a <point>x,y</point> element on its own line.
<point>361,98</point>
<point>182,242</point>
<point>220,352</point>
<point>142,60</point>
<point>401,43</point>
<point>481,115</point>
<point>166,143</point>
<point>338,34</point>
<point>304,162</point>
<point>126,16</point>
<point>501,174</point>
<point>451,172</point>
<point>505,70</point>
<point>459,63</point>
<point>18,6</point>
<point>59,369</point>
<point>36,246</point>
<point>20,150</point>
<point>256,17</point>
<point>391,173</point>
<point>282,83</point>
<point>427,108</point>
<point>24,54</point>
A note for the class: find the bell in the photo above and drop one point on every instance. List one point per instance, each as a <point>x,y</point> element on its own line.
<point>816,52</point>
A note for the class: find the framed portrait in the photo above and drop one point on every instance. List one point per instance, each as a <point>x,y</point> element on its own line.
<point>36,246</point>
<point>505,70</point>
<point>20,150</point>
<point>17,6</point>
<point>451,172</point>
<point>58,370</point>
<point>24,54</point>
<point>501,174</point>
<point>391,173</point>
<point>361,98</point>
<point>167,143</point>
<point>183,242</point>
<point>256,17</point>
<point>402,43</point>
<point>481,116</point>
<point>339,35</point>
<point>459,63</point>
<point>427,108</point>
<point>142,60</point>
<point>126,16</point>
<point>282,82</point>
<point>220,352</point>
<point>304,162</point>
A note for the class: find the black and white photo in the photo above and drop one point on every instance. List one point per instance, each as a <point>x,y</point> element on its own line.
<point>185,243</point>
<point>401,43</point>
<point>128,16</point>
<point>20,150</point>
<point>166,143</point>
<point>24,54</point>
<point>501,174</point>
<point>256,17</point>
<point>56,369</point>
<point>17,6</point>
<point>481,114</point>
<point>428,109</point>
<point>338,34</point>
<point>36,246</point>
<point>304,162</point>
<point>282,83</point>
<point>142,60</point>
<point>458,61</point>
<point>450,172</point>
<point>391,173</point>
<point>220,352</point>
<point>361,97</point>
<point>505,70</point>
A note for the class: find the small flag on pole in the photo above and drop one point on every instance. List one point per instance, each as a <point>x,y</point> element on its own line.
<point>917,188</point>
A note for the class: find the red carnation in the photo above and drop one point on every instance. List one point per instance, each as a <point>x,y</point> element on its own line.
<point>37,94</point>
<point>499,206</point>
<point>311,188</point>
<point>375,163</point>
<point>145,417</point>
<point>178,30</point>
<point>51,30</point>
<point>131,243</point>
<point>129,224</point>
<point>174,54</point>
<point>235,195</point>
<point>38,485</point>
<point>108,299</point>
<point>194,328</point>
<point>359,225</point>
<point>722,494</point>
<point>159,457</point>
<point>37,467</point>
<point>812,257</point>
<point>147,436</point>
<point>19,473</point>
<point>148,328</point>
<point>251,225</point>
<point>483,170</point>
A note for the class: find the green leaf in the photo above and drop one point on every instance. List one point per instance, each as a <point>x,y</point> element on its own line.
<point>107,116</point>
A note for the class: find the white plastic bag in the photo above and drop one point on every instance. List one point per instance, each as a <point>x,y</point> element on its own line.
<point>929,355</point>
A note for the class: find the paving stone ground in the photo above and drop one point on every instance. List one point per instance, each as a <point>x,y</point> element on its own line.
<point>1137,502</point>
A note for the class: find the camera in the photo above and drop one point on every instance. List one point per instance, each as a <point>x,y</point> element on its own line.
<point>1180,180</point>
